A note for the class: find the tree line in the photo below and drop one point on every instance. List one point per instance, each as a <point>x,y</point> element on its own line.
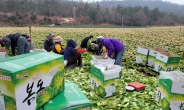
<point>163,6</point>
<point>26,12</point>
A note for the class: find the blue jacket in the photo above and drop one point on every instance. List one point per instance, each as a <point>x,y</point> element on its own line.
<point>112,45</point>
<point>70,50</point>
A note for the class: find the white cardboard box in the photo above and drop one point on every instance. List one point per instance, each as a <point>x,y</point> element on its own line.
<point>142,55</point>
<point>3,54</point>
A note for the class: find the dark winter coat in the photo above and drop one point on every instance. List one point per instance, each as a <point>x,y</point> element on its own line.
<point>70,50</point>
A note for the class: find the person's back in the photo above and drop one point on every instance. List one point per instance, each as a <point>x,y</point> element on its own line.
<point>29,43</point>
<point>70,50</point>
<point>48,42</point>
<point>14,38</point>
<point>113,45</point>
<point>84,42</point>
<point>27,37</point>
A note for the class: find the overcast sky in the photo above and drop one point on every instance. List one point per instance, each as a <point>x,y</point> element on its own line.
<point>176,1</point>
<point>172,1</point>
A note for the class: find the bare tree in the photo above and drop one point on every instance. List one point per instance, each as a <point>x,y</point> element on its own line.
<point>140,18</point>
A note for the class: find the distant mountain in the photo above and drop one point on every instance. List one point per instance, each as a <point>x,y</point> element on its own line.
<point>161,5</point>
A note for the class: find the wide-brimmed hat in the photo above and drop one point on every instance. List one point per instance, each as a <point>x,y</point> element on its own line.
<point>58,39</point>
<point>99,37</point>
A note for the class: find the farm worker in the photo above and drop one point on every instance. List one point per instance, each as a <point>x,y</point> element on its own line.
<point>15,41</point>
<point>71,55</point>
<point>89,45</point>
<point>49,42</point>
<point>113,45</point>
<point>101,46</point>
<point>57,47</point>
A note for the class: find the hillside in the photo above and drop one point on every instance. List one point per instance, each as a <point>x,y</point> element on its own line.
<point>67,12</point>
<point>161,5</point>
<point>13,19</point>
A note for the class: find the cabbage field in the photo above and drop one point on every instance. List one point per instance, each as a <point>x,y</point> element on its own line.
<point>170,38</point>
